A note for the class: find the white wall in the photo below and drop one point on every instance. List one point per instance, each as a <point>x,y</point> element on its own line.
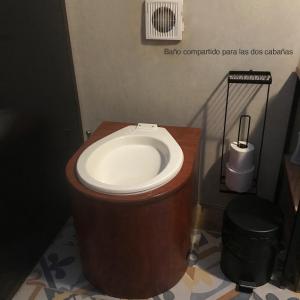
<point>122,77</point>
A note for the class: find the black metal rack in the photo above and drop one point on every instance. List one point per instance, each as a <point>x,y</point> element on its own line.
<point>245,77</point>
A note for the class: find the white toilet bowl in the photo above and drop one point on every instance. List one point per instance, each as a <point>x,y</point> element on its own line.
<point>134,159</point>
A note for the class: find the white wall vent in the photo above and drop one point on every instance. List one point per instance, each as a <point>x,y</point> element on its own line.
<point>163,19</point>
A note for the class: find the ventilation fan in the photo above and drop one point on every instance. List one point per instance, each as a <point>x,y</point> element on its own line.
<point>163,19</point>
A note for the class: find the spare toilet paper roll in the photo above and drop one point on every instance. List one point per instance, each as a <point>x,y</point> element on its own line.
<point>241,159</point>
<point>239,181</point>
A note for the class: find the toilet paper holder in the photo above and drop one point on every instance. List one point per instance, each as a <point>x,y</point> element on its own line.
<point>240,166</point>
<point>261,78</point>
<point>243,145</point>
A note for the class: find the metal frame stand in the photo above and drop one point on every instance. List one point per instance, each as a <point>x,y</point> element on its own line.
<point>245,77</point>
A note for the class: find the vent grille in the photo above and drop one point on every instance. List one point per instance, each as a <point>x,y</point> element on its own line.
<point>163,20</point>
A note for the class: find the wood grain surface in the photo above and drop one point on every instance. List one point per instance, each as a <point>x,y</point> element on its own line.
<point>135,246</point>
<point>293,176</point>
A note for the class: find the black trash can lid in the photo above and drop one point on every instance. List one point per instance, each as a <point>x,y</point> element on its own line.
<point>253,216</point>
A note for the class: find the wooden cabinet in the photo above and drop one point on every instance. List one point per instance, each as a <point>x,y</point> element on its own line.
<point>289,198</point>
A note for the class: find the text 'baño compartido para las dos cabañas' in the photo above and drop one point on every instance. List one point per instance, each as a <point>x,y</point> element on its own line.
<point>228,52</point>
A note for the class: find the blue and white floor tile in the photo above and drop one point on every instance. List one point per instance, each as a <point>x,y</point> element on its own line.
<point>58,276</point>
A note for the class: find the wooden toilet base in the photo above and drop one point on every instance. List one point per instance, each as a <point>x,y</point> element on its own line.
<point>136,246</point>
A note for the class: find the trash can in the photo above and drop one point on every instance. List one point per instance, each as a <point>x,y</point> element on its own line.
<point>251,236</point>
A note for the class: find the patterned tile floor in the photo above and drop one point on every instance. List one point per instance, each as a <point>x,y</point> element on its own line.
<point>58,276</point>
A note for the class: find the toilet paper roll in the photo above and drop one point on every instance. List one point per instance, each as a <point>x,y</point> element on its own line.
<point>237,181</point>
<point>241,159</point>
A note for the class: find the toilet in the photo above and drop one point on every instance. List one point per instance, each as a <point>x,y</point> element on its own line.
<point>133,193</point>
<point>134,159</point>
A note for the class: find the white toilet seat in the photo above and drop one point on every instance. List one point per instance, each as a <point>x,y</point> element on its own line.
<point>132,160</point>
